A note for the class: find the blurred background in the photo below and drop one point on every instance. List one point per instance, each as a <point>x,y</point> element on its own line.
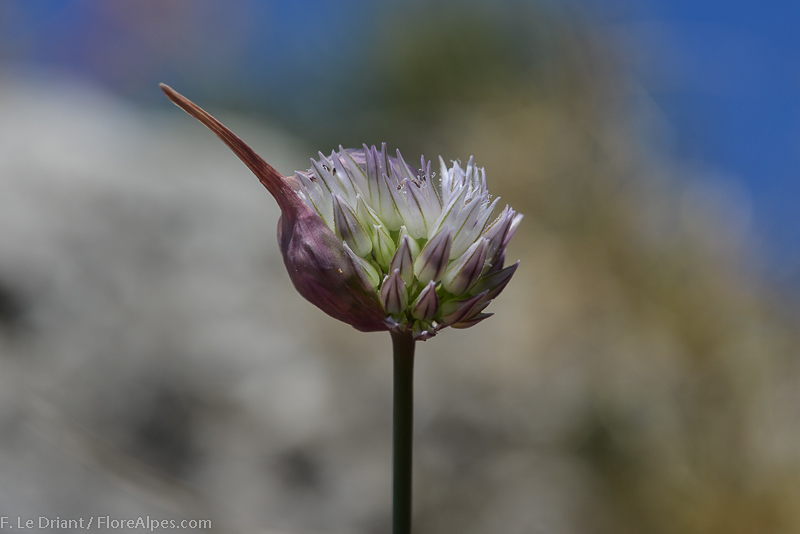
<point>640,375</point>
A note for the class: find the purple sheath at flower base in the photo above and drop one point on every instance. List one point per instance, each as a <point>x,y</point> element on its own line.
<point>324,273</point>
<point>381,246</point>
<point>318,264</point>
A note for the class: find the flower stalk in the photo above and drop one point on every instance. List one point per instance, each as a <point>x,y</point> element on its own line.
<point>403,345</point>
<point>381,245</point>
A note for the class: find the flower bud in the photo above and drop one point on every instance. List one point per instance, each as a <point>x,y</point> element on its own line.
<point>433,258</point>
<point>349,228</point>
<point>380,245</point>
<point>466,270</point>
<point>403,260</point>
<point>426,304</point>
<point>394,295</point>
<point>495,282</point>
<point>383,245</point>
<point>412,243</point>
<point>455,311</point>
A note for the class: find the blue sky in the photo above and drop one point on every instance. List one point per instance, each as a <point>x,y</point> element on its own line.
<point>725,75</point>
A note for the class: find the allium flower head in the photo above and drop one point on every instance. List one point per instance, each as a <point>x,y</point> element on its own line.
<point>382,245</point>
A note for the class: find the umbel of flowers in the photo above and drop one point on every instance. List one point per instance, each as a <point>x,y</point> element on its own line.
<point>382,245</point>
<point>427,244</point>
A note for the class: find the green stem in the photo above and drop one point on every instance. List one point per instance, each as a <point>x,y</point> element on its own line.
<point>403,431</point>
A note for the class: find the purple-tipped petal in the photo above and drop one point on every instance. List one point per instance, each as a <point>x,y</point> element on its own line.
<point>418,197</point>
<point>321,172</point>
<point>387,205</point>
<point>466,270</point>
<point>394,294</point>
<point>403,169</point>
<point>412,243</point>
<point>471,322</point>
<point>383,245</point>
<point>355,163</point>
<point>463,234</point>
<point>512,229</point>
<point>365,214</point>
<point>403,260</point>
<point>409,209</point>
<point>349,228</point>
<point>371,273</point>
<point>450,211</point>
<point>433,258</point>
<point>496,233</point>
<point>339,181</point>
<point>353,183</point>
<point>316,197</point>
<point>426,304</point>
<point>455,311</point>
<point>498,264</point>
<point>493,284</point>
